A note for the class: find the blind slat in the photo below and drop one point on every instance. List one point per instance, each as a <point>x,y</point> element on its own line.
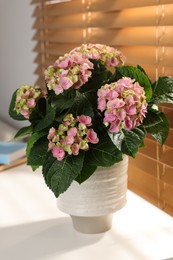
<point>76,6</point>
<point>146,56</point>
<point>135,36</point>
<point>134,18</point>
<point>70,7</point>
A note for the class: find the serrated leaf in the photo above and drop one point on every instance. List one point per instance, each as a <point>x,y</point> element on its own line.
<point>86,172</point>
<point>81,106</point>
<point>163,90</point>
<point>132,141</point>
<point>157,125</point>
<point>140,131</point>
<point>63,101</point>
<point>23,132</point>
<point>12,112</point>
<point>139,76</point>
<point>47,120</point>
<point>142,69</point>
<point>32,140</point>
<point>59,175</point>
<point>35,167</point>
<point>38,152</point>
<point>39,111</point>
<point>117,139</point>
<point>105,153</point>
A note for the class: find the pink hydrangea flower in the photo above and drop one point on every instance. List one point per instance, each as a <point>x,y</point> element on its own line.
<point>102,104</point>
<point>123,104</point>
<point>52,132</point>
<point>75,148</point>
<point>58,153</point>
<point>109,116</point>
<point>31,103</point>
<point>75,68</point>
<point>92,136</point>
<point>70,70</point>
<point>72,135</point>
<point>58,89</point>
<point>65,82</point>
<point>26,98</point>
<point>85,120</point>
<point>72,132</point>
<point>106,54</point>
<point>114,126</point>
<point>25,113</point>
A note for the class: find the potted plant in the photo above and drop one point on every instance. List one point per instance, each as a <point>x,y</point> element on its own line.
<point>94,111</point>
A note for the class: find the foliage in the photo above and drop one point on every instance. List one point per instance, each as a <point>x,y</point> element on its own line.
<point>95,110</point>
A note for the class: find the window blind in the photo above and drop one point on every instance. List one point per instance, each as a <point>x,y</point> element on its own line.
<point>143,31</point>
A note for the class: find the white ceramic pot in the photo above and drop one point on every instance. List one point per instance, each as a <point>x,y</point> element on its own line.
<point>92,203</point>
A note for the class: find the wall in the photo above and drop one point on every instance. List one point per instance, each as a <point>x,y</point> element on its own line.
<point>16,51</point>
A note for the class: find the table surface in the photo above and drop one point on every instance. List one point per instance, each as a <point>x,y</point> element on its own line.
<point>32,228</point>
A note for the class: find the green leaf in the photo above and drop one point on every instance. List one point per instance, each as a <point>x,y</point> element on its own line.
<point>23,132</point>
<point>157,125</point>
<point>117,138</point>
<point>47,120</point>
<point>63,101</point>
<point>132,141</point>
<point>105,153</point>
<point>39,111</point>
<point>35,167</point>
<point>81,106</point>
<point>140,68</point>
<point>12,112</point>
<point>163,90</point>
<point>32,140</point>
<point>86,172</point>
<point>139,76</point>
<point>59,175</point>
<point>38,153</point>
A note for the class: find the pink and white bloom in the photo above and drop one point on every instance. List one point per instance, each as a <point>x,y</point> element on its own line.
<point>25,113</point>
<point>70,70</point>
<point>101,104</point>
<point>72,135</point>
<point>26,99</point>
<point>114,126</point>
<point>92,136</point>
<point>65,83</point>
<point>75,148</point>
<point>31,103</point>
<point>72,132</point>
<point>52,132</point>
<point>109,56</point>
<point>123,104</point>
<point>86,120</point>
<point>58,153</point>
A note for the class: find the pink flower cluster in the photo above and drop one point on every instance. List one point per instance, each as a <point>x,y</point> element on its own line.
<point>26,97</point>
<point>123,103</point>
<point>72,135</point>
<point>70,70</point>
<point>108,55</point>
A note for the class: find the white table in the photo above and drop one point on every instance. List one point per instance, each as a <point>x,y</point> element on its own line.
<point>32,228</point>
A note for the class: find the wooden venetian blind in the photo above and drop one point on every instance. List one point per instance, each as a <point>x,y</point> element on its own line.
<point>143,30</point>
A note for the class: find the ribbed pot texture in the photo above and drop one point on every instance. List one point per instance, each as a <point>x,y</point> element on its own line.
<point>103,193</point>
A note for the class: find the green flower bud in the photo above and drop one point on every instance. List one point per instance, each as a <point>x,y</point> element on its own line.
<point>81,126</point>
<point>84,145</point>
<point>67,148</point>
<point>68,117</point>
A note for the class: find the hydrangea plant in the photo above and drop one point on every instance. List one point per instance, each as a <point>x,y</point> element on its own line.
<point>94,110</point>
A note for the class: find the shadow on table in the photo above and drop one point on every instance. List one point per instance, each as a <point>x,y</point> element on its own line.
<point>39,240</point>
